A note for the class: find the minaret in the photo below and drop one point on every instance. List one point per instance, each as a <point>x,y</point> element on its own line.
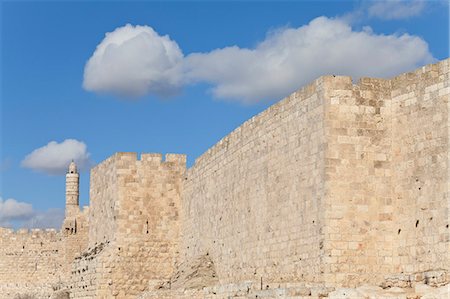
<point>72,191</point>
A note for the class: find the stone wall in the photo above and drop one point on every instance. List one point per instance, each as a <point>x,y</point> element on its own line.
<point>254,201</point>
<point>91,272</point>
<point>75,230</point>
<point>103,202</point>
<point>339,183</point>
<point>420,187</point>
<point>30,260</point>
<point>387,177</point>
<point>359,207</point>
<point>38,262</point>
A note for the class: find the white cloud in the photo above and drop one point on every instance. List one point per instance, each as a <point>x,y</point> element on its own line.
<point>133,61</point>
<point>19,214</point>
<point>292,57</point>
<point>386,10</point>
<point>286,60</point>
<point>11,209</point>
<point>396,9</point>
<point>55,157</point>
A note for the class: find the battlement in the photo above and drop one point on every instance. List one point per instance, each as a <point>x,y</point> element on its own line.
<point>154,158</point>
<point>35,232</point>
<point>30,256</point>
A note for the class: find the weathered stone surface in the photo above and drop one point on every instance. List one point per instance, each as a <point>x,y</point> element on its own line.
<point>196,274</point>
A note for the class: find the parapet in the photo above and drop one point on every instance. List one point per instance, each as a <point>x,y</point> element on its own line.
<point>176,159</point>
<point>126,158</point>
<point>26,231</point>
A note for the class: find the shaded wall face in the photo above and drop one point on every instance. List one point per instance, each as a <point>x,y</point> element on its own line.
<point>420,153</point>
<point>75,230</point>
<point>253,203</point>
<point>91,273</point>
<point>35,258</point>
<point>36,262</point>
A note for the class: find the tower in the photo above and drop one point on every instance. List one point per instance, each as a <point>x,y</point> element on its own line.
<point>72,191</point>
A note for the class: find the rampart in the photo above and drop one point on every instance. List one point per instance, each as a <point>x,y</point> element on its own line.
<point>338,185</point>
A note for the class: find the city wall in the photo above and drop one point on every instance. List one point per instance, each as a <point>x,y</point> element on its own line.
<point>338,185</point>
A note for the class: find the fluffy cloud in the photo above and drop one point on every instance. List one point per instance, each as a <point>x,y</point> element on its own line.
<point>54,157</point>
<point>280,64</point>
<point>133,61</point>
<point>21,214</point>
<point>292,57</point>
<point>11,209</point>
<point>396,9</point>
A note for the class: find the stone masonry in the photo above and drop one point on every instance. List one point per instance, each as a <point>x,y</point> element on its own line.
<point>340,190</point>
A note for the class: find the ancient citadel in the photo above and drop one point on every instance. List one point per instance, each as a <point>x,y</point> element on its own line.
<point>340,190</point>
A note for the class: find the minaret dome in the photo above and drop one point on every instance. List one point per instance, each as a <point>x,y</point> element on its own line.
<point>72,167</point>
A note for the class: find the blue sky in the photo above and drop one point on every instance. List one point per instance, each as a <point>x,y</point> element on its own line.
<point>143,91</point>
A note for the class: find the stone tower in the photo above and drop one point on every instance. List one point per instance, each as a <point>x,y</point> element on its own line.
<point>72,191</point>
